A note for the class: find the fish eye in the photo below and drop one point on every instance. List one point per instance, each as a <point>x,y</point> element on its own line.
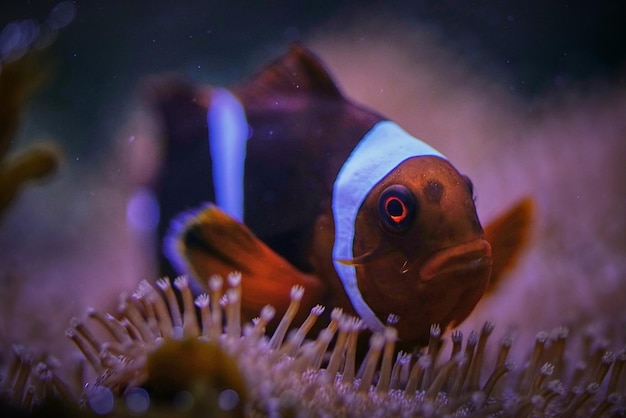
<point>397,208</point>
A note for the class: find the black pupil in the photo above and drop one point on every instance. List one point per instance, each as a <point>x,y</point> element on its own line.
<point>394,207</point>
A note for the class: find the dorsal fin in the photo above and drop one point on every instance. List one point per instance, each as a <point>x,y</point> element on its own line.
<point>297,72</point>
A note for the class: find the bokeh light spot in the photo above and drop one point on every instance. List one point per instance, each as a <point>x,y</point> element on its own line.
<point>61,15</point>
<point>228,400</point>
<point>142,211</point>
<point>138,400</point>
<point>16,37</point>
<point>101,400</point>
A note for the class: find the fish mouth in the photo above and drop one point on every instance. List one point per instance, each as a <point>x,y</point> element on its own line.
<point>463,259</point>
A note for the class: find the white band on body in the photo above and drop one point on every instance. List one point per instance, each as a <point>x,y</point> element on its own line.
<point>381,150</point>
<point>228,134</point>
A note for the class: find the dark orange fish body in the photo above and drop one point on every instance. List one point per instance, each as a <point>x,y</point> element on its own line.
<point>363,215</point>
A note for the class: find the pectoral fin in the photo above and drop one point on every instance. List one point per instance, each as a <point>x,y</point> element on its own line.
<point>508,235</point>
<point>207,241</point>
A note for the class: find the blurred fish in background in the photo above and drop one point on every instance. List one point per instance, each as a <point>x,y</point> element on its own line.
<point>526,98</point>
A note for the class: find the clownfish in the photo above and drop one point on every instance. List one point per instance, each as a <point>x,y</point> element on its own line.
<point>307,188</point>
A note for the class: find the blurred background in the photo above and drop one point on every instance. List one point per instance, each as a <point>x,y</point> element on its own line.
<point>527,98</point>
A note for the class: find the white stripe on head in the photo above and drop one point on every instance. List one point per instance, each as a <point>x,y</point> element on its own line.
<point>378,153</point>
<point>228,134</point>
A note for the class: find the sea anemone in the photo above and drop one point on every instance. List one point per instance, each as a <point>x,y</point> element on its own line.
<point>168,354</point>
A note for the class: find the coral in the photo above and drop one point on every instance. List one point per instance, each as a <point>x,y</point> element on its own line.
<point>19,79</point>
<point>163,357</point>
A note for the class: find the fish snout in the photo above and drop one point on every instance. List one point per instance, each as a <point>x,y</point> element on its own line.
<point>468,259</point>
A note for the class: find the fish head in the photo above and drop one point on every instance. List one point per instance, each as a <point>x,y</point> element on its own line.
<point>419,248</point>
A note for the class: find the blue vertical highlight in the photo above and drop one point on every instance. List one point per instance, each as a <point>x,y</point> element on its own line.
<point>228,133</point>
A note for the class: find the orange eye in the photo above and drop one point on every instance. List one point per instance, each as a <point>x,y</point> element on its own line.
<point>397,208</point>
